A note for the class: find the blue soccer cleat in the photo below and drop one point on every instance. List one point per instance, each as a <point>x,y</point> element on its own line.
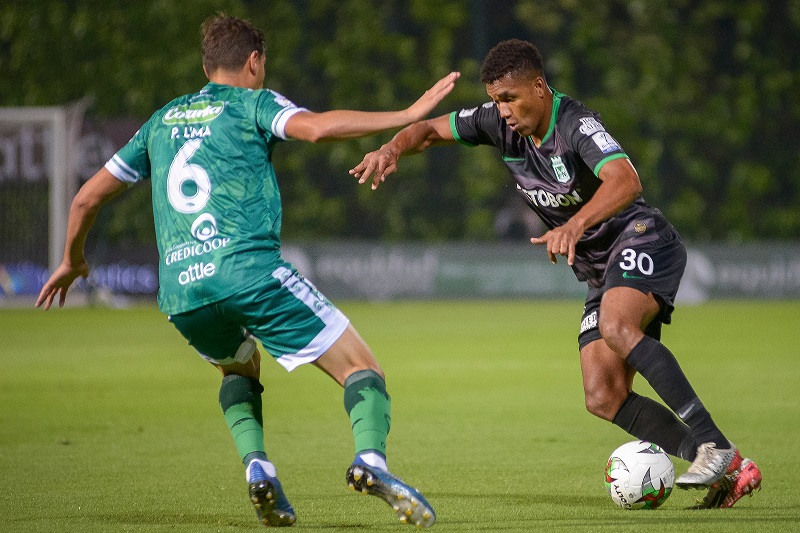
<point>266,493</point>
<point>408,504</point>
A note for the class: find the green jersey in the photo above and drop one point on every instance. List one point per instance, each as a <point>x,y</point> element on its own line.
<point>216,202</point>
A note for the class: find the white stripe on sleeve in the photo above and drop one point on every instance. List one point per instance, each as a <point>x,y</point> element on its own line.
<point>122,171</point>
<point>279,122</point>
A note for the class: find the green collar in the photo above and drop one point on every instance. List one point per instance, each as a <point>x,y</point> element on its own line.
<point>553,115</point>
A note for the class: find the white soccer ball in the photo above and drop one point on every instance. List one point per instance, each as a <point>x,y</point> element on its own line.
<point>639,475</point>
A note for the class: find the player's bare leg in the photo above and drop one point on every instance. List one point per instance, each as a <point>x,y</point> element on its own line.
<point>607,379</point>
<point>624,315</point>
<point>347,355</point>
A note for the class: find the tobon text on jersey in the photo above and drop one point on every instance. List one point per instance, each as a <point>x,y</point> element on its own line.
<point>541,198</point>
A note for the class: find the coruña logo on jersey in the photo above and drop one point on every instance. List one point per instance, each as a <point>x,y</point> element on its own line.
<point>562,175</point>
<point>196,113</point>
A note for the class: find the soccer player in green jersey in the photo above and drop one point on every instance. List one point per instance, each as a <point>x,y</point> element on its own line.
<point>222,279</point>
<point>581,183</point>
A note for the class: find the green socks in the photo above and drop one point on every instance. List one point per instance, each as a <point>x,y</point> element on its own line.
<point>365,399</point>
<point>240,400</point>
<point>369,408</point>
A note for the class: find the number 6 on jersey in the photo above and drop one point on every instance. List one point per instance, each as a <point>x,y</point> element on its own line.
<point>188,184</point>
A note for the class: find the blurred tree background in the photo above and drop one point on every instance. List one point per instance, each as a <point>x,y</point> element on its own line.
<point>703,95</point>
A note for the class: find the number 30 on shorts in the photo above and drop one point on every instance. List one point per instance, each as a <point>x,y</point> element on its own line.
<point>632,260</point>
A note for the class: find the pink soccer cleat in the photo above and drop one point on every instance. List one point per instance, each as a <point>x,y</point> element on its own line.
<point>742,478</point>
<point>747,480</point>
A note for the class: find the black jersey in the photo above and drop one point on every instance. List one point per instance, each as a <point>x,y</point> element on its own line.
<point>557,178</point>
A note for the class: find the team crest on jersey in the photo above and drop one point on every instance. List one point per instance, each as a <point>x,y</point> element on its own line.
<point>562,175</point>
<point>590,125</point>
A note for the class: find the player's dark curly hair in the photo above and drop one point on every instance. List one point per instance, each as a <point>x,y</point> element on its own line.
<point>228,42</point>
<point>513,56</point>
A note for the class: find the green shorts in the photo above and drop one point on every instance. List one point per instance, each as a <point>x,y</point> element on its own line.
<point>292,319</point>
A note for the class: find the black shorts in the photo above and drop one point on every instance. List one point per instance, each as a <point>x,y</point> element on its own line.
<point>654,267</point>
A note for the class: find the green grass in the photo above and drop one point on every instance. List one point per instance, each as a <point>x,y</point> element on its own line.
<point>110,422</point>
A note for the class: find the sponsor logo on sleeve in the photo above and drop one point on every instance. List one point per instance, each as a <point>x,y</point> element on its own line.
<point>282,100</point>
<point>590,126</point>
<point>464,113</point>
<point>605,142</point>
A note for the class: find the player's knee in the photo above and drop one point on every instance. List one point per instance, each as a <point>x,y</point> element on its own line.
<point>620,335</point>
<point>603,403</point>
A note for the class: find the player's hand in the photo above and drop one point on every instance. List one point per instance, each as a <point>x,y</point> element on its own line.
<point>59,284</point>
<point>431,98</point>
<point>377,164</point>
<point>561,241</point>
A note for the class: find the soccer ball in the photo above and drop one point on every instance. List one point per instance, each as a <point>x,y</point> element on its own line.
<point>639,475</point>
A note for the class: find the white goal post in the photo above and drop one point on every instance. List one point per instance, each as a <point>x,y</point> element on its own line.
<point>44,136</point>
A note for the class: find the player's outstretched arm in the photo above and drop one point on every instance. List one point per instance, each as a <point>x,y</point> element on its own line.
<point>100,189</point>
<point>346,124</point>
<point>431,98</point>
<point>410,140</point>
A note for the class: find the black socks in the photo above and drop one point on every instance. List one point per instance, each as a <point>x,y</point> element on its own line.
<point>659,367</point>
<point>648,420</point>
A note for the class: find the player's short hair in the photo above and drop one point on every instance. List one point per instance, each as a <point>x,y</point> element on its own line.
<point>511,57</point>
<point>228,42</point>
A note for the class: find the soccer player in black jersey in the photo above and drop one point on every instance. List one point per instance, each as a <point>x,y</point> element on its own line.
<point>581,183</point>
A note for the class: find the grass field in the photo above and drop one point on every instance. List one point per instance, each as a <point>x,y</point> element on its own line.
<point>109,422</point>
